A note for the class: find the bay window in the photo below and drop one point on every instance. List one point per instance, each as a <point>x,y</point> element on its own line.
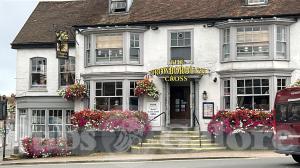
<point>67,71</point>
<point>180,48</point>
<point>52,123</point>
<point>113,48</point>
<point>264,39</point>
<point>38,72</point>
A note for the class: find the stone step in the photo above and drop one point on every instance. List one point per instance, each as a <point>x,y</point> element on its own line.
<point>179,145</point>
<point>172,141</point>
<point>165,150</point>
<point>180,132</point>
<point>179,137</point>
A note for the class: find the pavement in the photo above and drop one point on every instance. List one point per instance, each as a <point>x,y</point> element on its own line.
<point>126,157</point>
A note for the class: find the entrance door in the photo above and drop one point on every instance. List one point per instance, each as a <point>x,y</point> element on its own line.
<point>180,105</point>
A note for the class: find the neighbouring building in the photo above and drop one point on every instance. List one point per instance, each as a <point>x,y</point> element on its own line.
<point>250,49</point>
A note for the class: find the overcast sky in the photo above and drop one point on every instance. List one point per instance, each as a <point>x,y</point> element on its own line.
<point>13,15</point>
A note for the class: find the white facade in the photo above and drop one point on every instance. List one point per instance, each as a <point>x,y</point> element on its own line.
<point>206,52</point>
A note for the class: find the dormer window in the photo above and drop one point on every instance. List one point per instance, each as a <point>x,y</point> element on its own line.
<point>118,6</point>
<point>256,2</point>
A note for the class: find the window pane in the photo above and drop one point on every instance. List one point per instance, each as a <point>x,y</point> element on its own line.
<point>227,102</point>
<point>294,112</point>
<point>261,102</point>
<point>281,112</point>
<point>240,83</point>
<point>116,103</point>
<point>178,53</point>
<point>133,103</point>
<point>39,80</point>
<point>134,54</point>
<point>112,41</point>
<point>245,102</point>
<point>109,88</point>
<point>102,103</point>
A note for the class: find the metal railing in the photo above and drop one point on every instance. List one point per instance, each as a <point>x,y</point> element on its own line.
<point>196,119</point>
<point>153,120</point>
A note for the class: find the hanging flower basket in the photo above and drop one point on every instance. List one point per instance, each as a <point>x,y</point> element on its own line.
<point>146,87</point>
<point>296,83</point>
<point>72,92</point>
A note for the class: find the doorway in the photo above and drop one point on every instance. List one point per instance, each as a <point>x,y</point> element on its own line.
<point>180,112</point>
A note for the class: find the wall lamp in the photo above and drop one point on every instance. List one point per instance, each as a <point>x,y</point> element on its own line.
<point>204,95</point>
<point>154,27</point>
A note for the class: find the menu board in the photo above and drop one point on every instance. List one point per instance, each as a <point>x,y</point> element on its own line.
<point>208,110</point>
<point>153,110</point>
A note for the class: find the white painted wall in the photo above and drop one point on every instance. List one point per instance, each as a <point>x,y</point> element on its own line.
<point>23,71</point>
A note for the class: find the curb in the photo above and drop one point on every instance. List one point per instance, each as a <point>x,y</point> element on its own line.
<point>109,161</point>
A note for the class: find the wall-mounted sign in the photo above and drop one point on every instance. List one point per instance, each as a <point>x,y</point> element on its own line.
<point>62,46</point>
<point>177,71</point>
<point>208,110</point>
<point>153,110</point>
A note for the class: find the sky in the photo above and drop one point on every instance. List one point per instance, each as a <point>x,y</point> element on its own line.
<point>13,15</point>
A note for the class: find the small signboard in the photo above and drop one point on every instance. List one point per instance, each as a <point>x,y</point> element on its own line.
<point>62,46</point>
<point>208,110</point>
<point>153,109</point>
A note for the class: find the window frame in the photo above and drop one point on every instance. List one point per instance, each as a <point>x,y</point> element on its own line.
<point>110,96</point>
<point>126,49</point>
<point>191,43</point>
<point>228,95</point>
<point>256,3</point>
<point>253,86</point>
<point>31,73</point>
<point>68,72</point>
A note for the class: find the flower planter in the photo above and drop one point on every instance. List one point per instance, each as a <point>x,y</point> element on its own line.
<point>250,140</point>
<point>88,142</point>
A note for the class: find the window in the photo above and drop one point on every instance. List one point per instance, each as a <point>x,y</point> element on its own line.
<point>88,90</point>
<point>281,83</point>
<point>38,72</point>
<point>226,94</point>
<point>55,123</point>
<point>253,41</point>
<point>281,44</point>
<point>109,48</point>
<point>181,45</point>
<point>69,130</point>
<point>88,49</point>
<point>226,43</point>
<point>134,47</point>
<point>133,99</point>
<point>281,112</point>
<point>67,71</point>
<point>253,94</point>
<point>118,6</point>
<point>294,112</point>
<point>109,96</point>
<point>257,2</point>
<point>38,123</point>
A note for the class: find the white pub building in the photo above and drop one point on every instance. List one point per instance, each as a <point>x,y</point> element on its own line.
<point>246,51</point>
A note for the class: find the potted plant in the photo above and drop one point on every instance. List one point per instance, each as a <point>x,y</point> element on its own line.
<point>146,87</point>
<point>113,131</point>
<point>75,91</point>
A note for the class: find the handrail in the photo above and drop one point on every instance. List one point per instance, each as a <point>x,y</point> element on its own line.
<point>154,119</point>
<point>196,119</point>
<point>157,116</point>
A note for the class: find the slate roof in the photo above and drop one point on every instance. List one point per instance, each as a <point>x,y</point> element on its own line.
<point>54,15</point>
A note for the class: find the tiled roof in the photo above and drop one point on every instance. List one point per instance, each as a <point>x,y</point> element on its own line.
<point>51,16</point>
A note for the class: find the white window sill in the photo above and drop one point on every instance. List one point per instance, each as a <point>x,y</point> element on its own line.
<point>38,89</point>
